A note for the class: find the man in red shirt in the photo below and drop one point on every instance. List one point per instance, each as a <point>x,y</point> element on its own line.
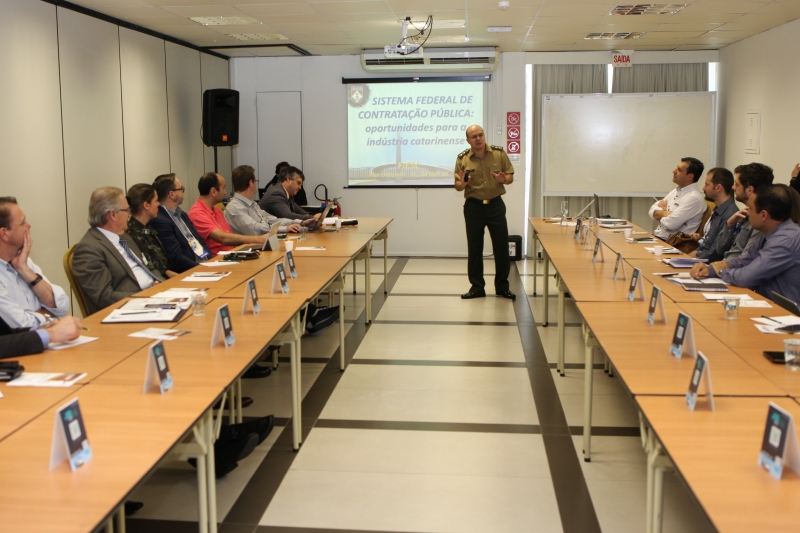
<point>210,222</point>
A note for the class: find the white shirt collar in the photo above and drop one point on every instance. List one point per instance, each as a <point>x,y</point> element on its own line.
<point>244,199</point>
<point>113,237</point>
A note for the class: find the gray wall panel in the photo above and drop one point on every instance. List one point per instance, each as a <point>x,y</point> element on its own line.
<point>184,97</point>
<point>91,102</point>
<point>144,106</point>
<point>30,140</point>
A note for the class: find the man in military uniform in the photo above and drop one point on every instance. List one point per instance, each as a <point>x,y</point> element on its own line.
<point>481,172</point>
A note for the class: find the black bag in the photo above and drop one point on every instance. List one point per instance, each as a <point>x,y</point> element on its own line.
<point>320,318</point>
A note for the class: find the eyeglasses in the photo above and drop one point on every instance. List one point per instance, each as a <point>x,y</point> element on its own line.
<point>127,209</point>
<point>476,136</point>
<point>182,189</point>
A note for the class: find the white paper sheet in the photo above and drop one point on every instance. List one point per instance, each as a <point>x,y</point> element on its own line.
<point>69,344</point>
<point>219,263</point>
<point>45,379</point>
<point>159,334</point>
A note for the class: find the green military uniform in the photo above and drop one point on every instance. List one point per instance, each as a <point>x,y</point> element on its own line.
<point>484,208</point>
<point>148,242</point>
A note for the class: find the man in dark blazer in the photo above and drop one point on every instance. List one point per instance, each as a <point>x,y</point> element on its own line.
<point>185,248</point>
<point>15,342</point>
<point>278,199</point>
<point>108,267</point>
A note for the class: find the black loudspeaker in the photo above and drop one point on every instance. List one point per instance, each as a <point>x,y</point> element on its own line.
<point>220,117</point>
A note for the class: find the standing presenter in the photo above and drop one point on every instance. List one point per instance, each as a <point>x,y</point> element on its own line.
<point>482,172</point>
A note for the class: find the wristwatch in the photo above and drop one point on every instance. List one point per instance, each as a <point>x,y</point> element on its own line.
<point>36,280</point>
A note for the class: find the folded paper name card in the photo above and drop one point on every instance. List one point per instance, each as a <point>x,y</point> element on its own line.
<point>223,328</point>
<point>701,374</point>
<point>69,438</point>
<point>598,250</point>
<point>683,339</point>
<point>779,446</point>
<point>578,227</point>
<point>636,289</point>
<point>288,264</point>
<point>656,307</point>
<point>157,371</point>
<point>279,282</point>
<point>250,296</point>
<point>619,268</point>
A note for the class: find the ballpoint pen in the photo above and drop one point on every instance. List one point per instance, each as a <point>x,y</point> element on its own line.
<point>140,312</point>
<point>772,319</point>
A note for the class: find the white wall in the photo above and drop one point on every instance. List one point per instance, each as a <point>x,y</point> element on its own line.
<point>762,73</point>
<point>435,225</point>
<point>84,104</point>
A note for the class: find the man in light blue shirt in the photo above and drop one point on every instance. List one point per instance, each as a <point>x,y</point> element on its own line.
<point>772,262</point>
<point>27,298</point>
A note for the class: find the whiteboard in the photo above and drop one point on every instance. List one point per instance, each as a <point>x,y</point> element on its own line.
<point>623,144</point>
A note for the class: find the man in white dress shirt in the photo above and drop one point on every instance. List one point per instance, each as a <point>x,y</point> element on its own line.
<point>26,295</point>
<point>107,266</point>
<point>683,208</point>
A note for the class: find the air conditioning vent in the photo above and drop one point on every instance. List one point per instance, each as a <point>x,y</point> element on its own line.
<point>618,35</point>
<point>462,59</point>
<point>457,60</point>
<point>401,61</point>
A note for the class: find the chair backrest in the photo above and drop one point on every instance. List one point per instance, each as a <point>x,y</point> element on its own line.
<point>76,288</point>
<point>709,208</point>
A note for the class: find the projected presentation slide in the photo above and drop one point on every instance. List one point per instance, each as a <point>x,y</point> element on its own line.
<point>409,133</point>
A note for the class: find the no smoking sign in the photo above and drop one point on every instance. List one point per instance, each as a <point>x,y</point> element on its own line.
<point>513,132</point>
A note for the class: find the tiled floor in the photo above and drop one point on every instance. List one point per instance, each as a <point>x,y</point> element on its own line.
<point>434,428</point>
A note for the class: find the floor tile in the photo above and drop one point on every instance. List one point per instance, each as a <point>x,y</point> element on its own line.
<point>273,395</point>
<point>447,309</point>
<point>420,503</point>
<point>613,459</point>
<point>423,452</point>
<point>455,284</point>
<point>573,383</point>
<point>571,312</point>
<point>607,410</point>
<point>442,343</point>
<point>376,264</point>
<point>431,406</point>
<point>574,347</point>
<point>443,266</point>
<point>383,377</point>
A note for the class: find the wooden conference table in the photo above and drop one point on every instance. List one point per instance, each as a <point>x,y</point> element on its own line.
<point>131,432</point>
<point>639,353</point>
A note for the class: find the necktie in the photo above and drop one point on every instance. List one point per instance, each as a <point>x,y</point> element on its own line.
<point>133,255</point>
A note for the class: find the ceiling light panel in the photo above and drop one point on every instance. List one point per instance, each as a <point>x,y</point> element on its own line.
<point>647,9</point>
<point>225,21</point>
<point>613,35</point>
<point>258,36</point>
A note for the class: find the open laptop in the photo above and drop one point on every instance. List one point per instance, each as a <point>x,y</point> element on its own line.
<point>318,224</point>
<point>786,303</point>
<point>271,242</point>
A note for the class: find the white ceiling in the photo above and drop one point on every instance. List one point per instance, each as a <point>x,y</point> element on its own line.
<point>334,27</point>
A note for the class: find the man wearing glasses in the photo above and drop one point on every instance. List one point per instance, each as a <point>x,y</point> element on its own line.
<point>185,248</point>
<point>482,172</point>
<point>108,266</point>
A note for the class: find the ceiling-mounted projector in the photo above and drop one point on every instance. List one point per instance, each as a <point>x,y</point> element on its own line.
<point>408,51</point>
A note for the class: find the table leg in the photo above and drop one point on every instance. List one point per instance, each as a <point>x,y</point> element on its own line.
<point>110,525</point>
<point>658,463</point>
<point>546,284</point>
<point>354,276</point>
<point>211,473</point>
<point>562,289</point>
<point>121,519</point>
<point>588,384</point>
<point>295,394</point>
<point>231,404</point>
<point>368,289</point>
<point>299,376</point>
<point>342,328</point>
<point>239,415</point>
<point>534,263</point>
<point>275,359</point>
<point>202,485</point>
<point>650,482</point>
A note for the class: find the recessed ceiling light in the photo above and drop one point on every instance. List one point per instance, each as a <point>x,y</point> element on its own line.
<point>611,35</point>
<point>499,29</point>
<point>258,36</point>
<point>647,9</point>
<point>224,21</point>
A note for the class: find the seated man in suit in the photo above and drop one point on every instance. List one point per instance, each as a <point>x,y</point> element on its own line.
<point>22,341</point>
<point>26,296</point>
<point>718,188</point>
<point>683,208</point>
<point>278,199</point>
<point>107,265</point>
<point>185,248</point>
<point>772,262</point>
<point>209,220</point>
<point>244,215</point>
